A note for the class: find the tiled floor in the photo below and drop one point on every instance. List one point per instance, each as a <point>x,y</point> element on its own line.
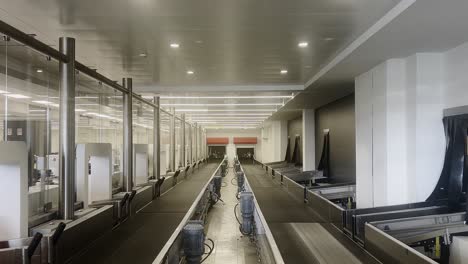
<point>230,246</point>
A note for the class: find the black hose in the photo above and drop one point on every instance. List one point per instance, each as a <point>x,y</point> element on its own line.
<point>235,214</point>
<point>211,249</point>
<point>209,246</point>
<point>235,184</point>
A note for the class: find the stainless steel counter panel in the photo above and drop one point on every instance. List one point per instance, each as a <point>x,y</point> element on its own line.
<point>81,232</point>
<point>167,184</point>
<point>294,189</point>
<point>389,250</point>
<point>359,221</point>
<point>142,197</point>
<point>328,210</point>
<point>350,213</point>
<point>410,230</point>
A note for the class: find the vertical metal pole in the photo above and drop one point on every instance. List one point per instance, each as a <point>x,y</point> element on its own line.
<point>156,140</point>
<point>196,142</point>
<point>172,141</point>
<point>67,130</point>
<point>182,141</point>
<point>128,137</point>
<point>201,143</point>
<point>204,143</point>
<point>190,153</point>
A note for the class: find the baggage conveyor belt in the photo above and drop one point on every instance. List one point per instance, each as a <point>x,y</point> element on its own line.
<point>139,239</point>
<point>300,233</point>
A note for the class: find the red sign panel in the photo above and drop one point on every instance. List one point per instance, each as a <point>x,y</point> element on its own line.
<point>217,141</point>
<point>245,140</point>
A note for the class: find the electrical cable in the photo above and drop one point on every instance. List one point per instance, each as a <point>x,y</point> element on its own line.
<point>211,249</point>
<point>209,246</point>
<point>218,198</point>
<point>235,214</point>
<point>235,184</point>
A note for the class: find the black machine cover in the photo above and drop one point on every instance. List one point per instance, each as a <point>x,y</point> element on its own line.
<point>324,164</point>
<point>452,183</point>
<point>288,152</point>
<point>296,157</point>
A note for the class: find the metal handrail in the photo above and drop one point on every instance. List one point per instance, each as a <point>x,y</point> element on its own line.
<point>99,77</point>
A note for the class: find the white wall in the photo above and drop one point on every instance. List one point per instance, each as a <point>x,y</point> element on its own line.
<point>231,133</point>
<point>399,132</point>
<point>274,141</point>
<point>456,76</point>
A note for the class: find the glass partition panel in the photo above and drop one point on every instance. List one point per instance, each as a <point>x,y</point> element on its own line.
<point>29,113</point>
<point>165,142</point>
<point>99,119</point>
<point>142,140</point>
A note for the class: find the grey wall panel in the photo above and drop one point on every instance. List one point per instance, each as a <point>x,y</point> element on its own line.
<point>339,117</point>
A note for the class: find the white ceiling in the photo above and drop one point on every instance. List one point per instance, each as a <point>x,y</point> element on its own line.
<point>233,47</point>
<point>418,26</point>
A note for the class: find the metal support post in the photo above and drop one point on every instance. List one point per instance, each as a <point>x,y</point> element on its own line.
<point>196,142</point>
<point>128,137</point>
<point>190,159</point>
<point>199,143</point>
<point>182,141</point>
<point>172,141</point>
<point>204,143</point>
<point>156,140</point>
<point>67,130</point>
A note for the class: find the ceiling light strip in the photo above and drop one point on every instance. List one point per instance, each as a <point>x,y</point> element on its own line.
<point>230,97</point>
<point>225,110</point>
<point>226,104</point>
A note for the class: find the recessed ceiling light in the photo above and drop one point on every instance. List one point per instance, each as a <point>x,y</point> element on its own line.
<point>143,55</point>
<point>199,42</point>
<point>17,96</point>
<point>190,72</point>
<point>303,44</point>
<point>80,110</point>
<point>39,70</point>
<point>174,45</point>
<point>328,39</point>
<point>284,71</point>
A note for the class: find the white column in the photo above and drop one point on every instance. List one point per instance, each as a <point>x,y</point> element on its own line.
<point>308,139</point>
<point>380,110</point>
<point>399,133</point>
<point>426,139</point>
<point>274,141</point>
<point>363,110</point>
